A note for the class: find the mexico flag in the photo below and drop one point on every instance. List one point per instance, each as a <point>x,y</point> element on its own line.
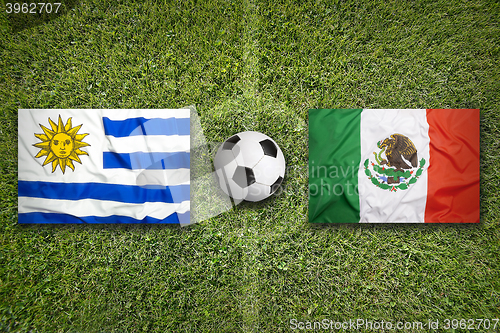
<point>376,165</point>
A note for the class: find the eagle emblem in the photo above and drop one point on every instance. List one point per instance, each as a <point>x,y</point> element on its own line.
<point>399,169</point>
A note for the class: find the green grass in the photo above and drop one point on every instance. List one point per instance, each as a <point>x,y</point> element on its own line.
<point>250,65</point>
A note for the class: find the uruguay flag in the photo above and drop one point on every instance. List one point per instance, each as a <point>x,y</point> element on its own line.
<point>104,166</point>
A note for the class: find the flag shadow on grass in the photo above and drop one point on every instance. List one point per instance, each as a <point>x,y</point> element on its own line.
<point>206,197</point>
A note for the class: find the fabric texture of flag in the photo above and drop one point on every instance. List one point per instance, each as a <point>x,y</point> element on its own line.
<point>376,165</point>
<point>104,166</point>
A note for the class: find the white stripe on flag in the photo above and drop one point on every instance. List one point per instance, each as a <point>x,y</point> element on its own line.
<point>377,205</point>
<point>113,176</point>
<point>147,143</point>
<point>91,207</point>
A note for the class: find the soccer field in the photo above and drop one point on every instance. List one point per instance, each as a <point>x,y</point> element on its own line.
<point>250,65</point>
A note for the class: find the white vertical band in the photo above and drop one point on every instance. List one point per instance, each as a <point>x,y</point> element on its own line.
<point>401,206</point>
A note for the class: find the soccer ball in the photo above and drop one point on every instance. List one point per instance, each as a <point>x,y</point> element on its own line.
<point>250,166</point>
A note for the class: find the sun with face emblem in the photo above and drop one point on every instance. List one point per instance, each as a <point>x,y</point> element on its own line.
<point>61,144</point>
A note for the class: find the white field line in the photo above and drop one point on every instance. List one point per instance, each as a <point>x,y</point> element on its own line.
<point>249,301</point>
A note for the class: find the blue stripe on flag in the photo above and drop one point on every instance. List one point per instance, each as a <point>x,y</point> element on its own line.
<point>143,126</point>
<point>102,191</point>
<point>144,160</point>
<point>66,218</point>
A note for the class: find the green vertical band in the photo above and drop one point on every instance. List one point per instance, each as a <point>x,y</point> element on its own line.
<point>334,158</point>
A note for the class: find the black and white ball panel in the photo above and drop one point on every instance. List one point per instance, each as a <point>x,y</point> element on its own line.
<point>243,176</point>
<point>252,153</point>
<point>227,183</point>
<point>250,166</point>
<point>229,143</point>
<point>267,170</point>
<point>224,157</point>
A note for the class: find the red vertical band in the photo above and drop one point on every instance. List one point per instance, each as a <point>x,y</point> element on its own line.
<point>453,173</point>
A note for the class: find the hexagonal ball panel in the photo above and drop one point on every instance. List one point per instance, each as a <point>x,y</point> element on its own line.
<point>247,153</point>
<point>268,170</point>
<point>282,163</point>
